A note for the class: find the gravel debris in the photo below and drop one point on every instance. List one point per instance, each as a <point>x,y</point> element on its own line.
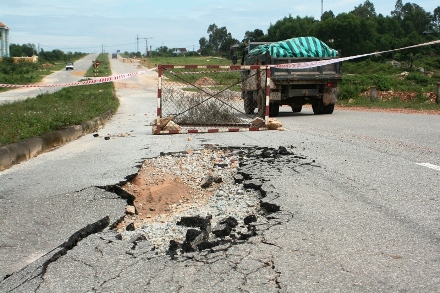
<point>220,199</point>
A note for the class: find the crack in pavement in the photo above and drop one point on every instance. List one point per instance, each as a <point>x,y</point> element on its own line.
<point>246,264</point>
<point>40,270</point>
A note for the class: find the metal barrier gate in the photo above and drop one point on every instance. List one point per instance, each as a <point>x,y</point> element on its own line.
<point>193,98</point>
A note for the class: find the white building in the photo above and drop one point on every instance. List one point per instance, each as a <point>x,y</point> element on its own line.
<point>4,40</point>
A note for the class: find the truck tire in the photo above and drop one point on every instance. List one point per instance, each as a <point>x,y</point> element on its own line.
<point>329,109</point>
<point>274,110</point>
<point>249,103</point>
<point>318,107</point>
<point>296,109</point>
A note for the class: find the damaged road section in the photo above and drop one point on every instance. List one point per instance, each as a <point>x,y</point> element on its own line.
<point>33,275</point>
<point>199,199</point>
<point>46,222</point>
<point>168,244</point>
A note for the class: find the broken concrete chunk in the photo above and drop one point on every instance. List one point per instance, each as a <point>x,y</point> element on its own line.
<point>238,178</point>
<point>130,210</point>
<point>222,230</point>
<point>217,179</point>
<point>269,207</point>
<point>274,124</point>
<point>257,122</point>
<point>207,181</point>
<point>194,239</point>
<point>204,223</point>
<point>174,245</point>
<point>253,184</point>
<point>231,221</point>
<point>283,151</point>
<point>172,126</point>
<point>245,234</point>
<point>249,219</point>
<point>130,227</point>
<point>224,227</point>
<point>166,124</point>
<point>164,121</point>
<point>192,234</point>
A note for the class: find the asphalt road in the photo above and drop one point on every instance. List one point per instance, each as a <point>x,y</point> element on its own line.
<point>59,77</point>
<point>364,217</point>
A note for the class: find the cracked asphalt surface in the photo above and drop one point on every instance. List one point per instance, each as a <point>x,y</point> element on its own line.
<point>360,216</point>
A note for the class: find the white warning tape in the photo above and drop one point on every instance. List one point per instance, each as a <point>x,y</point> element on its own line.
<point>85,82</point>
<point>303,65</point>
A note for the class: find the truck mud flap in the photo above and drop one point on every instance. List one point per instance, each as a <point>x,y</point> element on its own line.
<point>330,96</point>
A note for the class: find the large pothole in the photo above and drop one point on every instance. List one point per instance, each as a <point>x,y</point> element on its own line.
<point>198,199</point>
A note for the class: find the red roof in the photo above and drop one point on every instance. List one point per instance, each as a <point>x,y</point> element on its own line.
<point>2,24</point>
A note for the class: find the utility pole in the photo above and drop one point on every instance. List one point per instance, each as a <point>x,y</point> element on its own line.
<point>322,8</point>
<point>146,44</point>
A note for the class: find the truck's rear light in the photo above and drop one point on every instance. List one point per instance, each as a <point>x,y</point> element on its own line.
<point>331,84</point>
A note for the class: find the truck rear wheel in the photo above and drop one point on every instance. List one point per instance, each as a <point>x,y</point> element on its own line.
<point>329,109</point>
<point>274,110</point>
<point>296,109</point>
<point>318,107</point>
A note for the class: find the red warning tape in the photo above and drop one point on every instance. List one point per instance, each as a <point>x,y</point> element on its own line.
<point>299,65</point>
<point>86,82</point>
<point>303,65</point>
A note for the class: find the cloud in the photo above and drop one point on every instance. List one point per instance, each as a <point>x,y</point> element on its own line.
<point>84,25</point>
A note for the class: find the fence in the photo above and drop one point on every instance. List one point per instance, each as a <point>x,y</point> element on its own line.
<point>194,99</point>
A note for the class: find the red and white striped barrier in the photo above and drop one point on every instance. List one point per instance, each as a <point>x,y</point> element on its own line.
<point>85,82</point>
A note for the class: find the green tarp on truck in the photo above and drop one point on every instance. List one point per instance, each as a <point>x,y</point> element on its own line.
<point>303,47</point>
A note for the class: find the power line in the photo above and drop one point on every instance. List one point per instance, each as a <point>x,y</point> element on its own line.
<point>146,44</point>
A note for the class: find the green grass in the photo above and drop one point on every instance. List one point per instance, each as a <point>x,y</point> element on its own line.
<point>26,73</point>
<point>103,68</point>
<point>399,82</point>
<point>419,103</point>
<point>48,112</point>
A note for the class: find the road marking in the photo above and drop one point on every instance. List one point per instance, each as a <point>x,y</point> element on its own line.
<point>428,165</point>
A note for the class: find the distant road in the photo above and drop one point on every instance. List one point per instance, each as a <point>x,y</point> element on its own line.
<point>62,76</point>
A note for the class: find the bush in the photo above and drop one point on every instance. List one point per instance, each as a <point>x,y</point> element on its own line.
<point>418,78</point>
<point>347,92</point>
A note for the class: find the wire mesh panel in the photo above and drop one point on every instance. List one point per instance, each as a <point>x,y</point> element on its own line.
<point>211,98</point>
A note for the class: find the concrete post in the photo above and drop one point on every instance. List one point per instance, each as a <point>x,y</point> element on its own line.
<point>373,93</point>
<point>437,94</point>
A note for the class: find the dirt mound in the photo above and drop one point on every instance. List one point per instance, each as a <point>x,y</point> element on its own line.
<point>402,96</point>
<point>205,81</point>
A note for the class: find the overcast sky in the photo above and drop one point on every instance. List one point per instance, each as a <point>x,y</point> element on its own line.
<point>89,25</point>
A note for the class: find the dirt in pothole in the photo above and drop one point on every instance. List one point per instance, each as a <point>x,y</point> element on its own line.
<point>158,194</point>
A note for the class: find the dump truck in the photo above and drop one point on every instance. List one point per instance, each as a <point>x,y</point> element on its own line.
<point>317,86</point>
<point>114,55</point>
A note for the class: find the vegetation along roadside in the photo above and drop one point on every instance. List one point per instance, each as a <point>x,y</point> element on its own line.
<point>48,112</point>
